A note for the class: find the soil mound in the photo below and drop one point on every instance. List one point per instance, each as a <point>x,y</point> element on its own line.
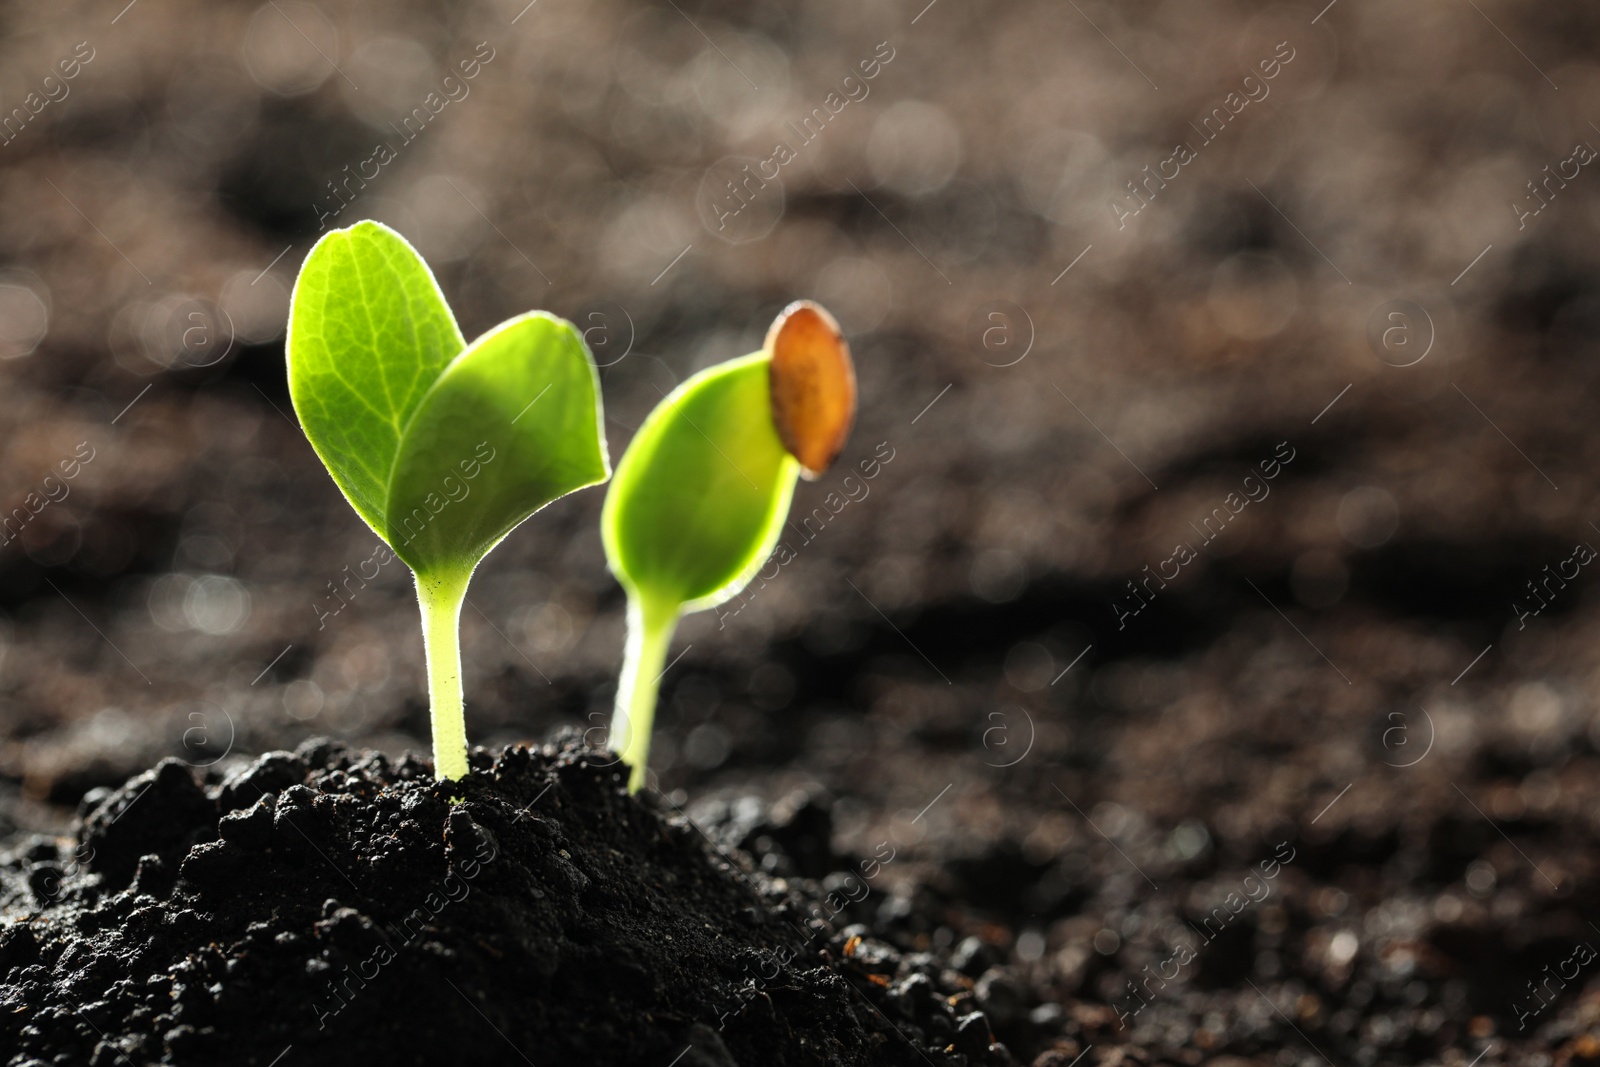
<point>316,904</point>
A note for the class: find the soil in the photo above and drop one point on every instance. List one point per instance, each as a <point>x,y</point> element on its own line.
<point>316,905</point>
<point>308,906</point>
<point>1369,678</point>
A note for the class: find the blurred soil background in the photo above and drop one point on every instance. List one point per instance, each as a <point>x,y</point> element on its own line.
<point>1376,275</point>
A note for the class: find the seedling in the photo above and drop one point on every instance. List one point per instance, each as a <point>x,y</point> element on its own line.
<point>704,488</point>
<point>443,448</point>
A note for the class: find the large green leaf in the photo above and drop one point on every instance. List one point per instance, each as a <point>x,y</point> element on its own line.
<point>369,334</point>
<point>512,424</point>
<point>702,492</point>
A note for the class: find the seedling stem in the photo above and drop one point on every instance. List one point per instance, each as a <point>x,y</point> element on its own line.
<point>441,598</point>
<point>650,628</point>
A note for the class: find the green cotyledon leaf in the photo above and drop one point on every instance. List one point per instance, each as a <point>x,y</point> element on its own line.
<point>512,424</point>
<point>702,492</point>
<point>369,334</point>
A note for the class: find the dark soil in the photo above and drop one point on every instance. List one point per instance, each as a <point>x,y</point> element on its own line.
<point>312,905</point>
<point>316,905</point>
<point>943,675</point>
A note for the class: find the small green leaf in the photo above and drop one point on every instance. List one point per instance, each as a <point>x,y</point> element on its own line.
<point>512,424</point>
<point>702,492</point>
<point>369,333</point>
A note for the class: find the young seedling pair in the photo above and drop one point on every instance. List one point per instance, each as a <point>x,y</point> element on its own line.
<point>443,448</point>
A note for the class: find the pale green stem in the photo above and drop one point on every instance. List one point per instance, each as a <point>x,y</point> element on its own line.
<point>441,596</point>
<point>650,627</point>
